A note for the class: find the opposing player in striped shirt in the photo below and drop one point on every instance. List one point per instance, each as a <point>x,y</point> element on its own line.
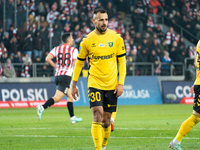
<point>66,56</point>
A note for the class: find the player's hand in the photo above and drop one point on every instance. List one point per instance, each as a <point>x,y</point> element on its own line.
<point>118,90</point>
<point>74,92</point>
<point>192,89</point>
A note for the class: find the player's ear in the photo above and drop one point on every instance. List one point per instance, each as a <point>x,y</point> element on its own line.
<point>93,21</point>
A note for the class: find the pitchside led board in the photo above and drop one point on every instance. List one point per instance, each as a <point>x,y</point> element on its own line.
<point>137,90</point>
<point>177,92</point>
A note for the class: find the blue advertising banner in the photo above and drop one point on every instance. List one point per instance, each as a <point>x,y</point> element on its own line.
<point>140,90</point>
<point>137,90</point>
<point>26,91</point>
<point>177,92</point>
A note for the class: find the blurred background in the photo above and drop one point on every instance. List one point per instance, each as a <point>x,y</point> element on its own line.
<point>160,36</point>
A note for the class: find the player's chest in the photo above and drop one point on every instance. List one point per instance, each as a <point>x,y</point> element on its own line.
<point>102,47</point>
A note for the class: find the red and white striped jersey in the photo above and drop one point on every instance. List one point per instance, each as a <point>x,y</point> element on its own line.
<point>65,57</point>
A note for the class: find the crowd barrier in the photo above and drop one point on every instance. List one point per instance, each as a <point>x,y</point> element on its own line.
<point>138,90</point>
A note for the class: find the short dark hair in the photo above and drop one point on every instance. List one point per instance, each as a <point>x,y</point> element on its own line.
<point>101,10</point>
<point>65,36</point>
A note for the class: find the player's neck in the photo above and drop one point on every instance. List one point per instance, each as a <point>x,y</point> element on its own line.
<point>103,33</point>
<point>67,44</point>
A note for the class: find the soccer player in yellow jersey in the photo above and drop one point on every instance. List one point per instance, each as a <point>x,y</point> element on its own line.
<point>188,124</point>
<point>105,50</point>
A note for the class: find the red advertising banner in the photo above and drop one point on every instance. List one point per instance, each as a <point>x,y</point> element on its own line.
<point>25,104</point>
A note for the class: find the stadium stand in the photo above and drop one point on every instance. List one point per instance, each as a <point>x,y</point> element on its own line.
<point>158,34</point>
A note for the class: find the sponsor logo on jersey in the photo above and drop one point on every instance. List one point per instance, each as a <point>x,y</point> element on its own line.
<point>101,45</point>
<point>103,57</point>
<point>111,105</point>
<point>93,45</point>
<point>110,44</point>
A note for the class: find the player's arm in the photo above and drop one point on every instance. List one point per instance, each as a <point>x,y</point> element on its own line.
<point>49,60</point>
<point>121,57</point>
<point>197,63</point>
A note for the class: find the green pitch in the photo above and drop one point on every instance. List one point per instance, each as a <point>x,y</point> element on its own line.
<point>137,127</point>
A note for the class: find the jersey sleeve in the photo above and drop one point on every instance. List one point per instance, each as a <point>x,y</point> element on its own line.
<point>75,54</point>
<point>53,52</point>
<point>121,57</point>
<point>121,47</point>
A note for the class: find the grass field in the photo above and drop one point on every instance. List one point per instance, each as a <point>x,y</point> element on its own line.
<point>137,127</point>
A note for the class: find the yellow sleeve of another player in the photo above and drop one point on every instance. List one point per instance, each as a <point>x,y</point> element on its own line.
<point>197,55</point>
<point>80,61</point>
<point>121,55</point>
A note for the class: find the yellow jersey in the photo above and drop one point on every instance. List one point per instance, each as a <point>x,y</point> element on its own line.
<point>104,51</point>
<point>197,81</point>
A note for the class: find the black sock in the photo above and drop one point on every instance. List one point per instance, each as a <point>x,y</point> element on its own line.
<point>70,108</point>
<point>48,103</point>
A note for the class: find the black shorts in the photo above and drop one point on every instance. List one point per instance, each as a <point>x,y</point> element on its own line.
<point>196,105</point>
<point>104,98</point>
<point>63,83</point>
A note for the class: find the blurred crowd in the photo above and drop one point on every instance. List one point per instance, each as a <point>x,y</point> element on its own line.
<point>144,38</point>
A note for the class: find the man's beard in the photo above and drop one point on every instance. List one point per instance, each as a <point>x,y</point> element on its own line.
<point>101,31</point>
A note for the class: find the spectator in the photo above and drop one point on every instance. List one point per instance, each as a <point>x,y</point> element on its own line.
<point>21,15</point>
<point>3,49</point>
<point>56,39</point>
<point>145,44</point>
<point>26,59</point>
<point>43,22</point>
<point>78,38</point>
<point>122,7</point>
<point>109,9</point>
<point>14,46</point>
<point>142,57</point>
<point>59,22</point>
<point>1,71</point>
<point>83,17</point>
<point>44,56</point>
<point>37,45</point>
<point>166,66</point>
<point>156,47</point>
<point>170,35</point>
<point>4,57</point>
<point>181,44</point>
<point>173,51</point>
<point>40,9</point>
<point>8,69</point>
<point>150,25</point>
<point>45,72</point>
<point>38,65</point>
<point>9,13</point>
<point>6,40</point>
<point>52,15</point>
<point>185,8</point>
<point>81,6</point>
<point>155,59</point>
<point>192,51</point>
<point>28,44</point>
<point>159,32</point>
<point>154,6</point>
<point>11,56</point>
<point>1,33</point>
<point>112,24</point>
<point>31,24</point>
<point>164,47</point>
<point>18,58</point>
